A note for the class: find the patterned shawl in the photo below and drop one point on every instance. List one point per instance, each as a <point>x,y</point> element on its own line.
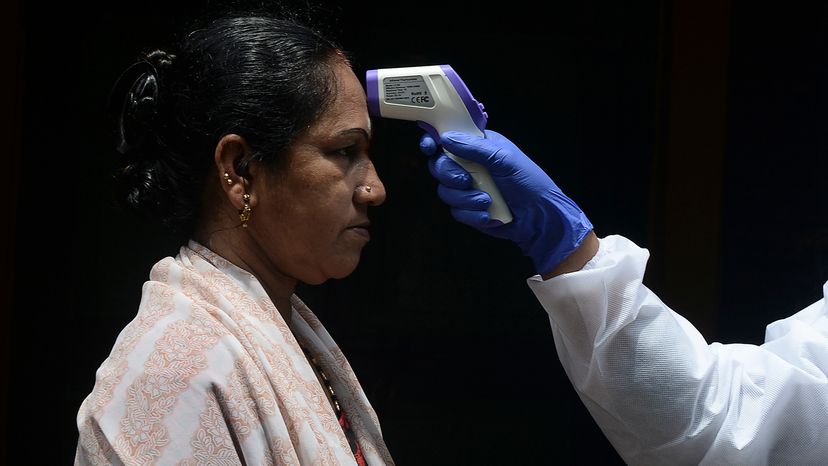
<point>209,372</point>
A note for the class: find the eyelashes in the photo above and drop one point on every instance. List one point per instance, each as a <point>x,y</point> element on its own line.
<point>348,151</point>
<point>351,152</point>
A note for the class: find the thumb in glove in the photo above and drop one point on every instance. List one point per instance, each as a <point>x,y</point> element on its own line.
<point>547,226</point>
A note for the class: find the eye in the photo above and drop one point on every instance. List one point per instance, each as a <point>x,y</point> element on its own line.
<point>347,151</point>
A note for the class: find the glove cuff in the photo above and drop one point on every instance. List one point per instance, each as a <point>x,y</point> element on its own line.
<point>576,226</point>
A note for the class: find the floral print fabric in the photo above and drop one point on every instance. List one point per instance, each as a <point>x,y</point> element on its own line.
<point>209,372</point>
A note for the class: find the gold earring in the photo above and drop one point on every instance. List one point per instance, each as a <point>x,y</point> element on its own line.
<point>227,178</point>
<point>244,214</point>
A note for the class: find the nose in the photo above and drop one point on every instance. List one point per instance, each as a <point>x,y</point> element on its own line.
<point>371,191</point>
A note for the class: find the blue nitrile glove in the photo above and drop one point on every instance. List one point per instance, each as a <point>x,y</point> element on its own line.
<point>547,225</point>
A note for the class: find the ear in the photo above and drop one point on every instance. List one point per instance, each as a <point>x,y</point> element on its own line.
<point>231,149</point>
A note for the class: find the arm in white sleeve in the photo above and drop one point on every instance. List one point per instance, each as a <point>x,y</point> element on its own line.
<point>663,395</point>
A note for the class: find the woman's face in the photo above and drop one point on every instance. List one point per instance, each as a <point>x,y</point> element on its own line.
<point>311,218</point>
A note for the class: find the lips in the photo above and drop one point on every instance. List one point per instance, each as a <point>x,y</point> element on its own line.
<point>361,229</point>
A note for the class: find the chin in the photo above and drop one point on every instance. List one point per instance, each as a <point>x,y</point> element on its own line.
<point>339,269</point>
<point>344,272</point>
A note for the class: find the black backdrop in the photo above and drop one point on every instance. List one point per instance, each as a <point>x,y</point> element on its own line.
<point>450,345</point>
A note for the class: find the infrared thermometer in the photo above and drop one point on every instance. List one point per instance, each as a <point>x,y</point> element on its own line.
<point>438,100</point>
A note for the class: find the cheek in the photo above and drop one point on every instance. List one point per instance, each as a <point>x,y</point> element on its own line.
<point>310,213</point>
<point>311,223</point>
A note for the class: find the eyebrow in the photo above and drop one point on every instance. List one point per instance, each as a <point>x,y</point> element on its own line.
<point>362,131</point>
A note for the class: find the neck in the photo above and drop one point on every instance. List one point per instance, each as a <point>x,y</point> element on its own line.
<point>238,247</point>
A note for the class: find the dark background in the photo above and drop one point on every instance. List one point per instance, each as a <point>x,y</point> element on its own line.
<point>694,128</point>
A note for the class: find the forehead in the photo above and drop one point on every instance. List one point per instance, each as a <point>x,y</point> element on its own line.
<point>348,108</point>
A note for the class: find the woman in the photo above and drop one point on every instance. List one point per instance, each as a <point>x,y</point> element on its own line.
<point>253,137</point>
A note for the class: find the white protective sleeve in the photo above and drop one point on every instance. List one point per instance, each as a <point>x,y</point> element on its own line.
<point>663,395</point>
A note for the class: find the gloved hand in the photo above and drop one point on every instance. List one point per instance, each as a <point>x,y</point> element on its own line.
<point>547,225</point>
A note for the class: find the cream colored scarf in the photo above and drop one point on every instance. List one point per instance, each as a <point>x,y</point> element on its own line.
<point>209,372</point>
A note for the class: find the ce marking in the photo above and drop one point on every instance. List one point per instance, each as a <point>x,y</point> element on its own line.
<point>420,99</point>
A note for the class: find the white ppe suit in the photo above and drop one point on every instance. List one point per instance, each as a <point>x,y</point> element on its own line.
<point>663,395</point>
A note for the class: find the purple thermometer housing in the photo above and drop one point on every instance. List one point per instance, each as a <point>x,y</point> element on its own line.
<point>476,110</point>
<point>439,101</point>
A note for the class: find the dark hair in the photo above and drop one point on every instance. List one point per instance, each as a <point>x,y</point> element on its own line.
<point>264,78</point>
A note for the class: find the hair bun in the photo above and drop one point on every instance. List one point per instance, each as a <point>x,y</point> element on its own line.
<point>135,100</point>
<point>160,59</point>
